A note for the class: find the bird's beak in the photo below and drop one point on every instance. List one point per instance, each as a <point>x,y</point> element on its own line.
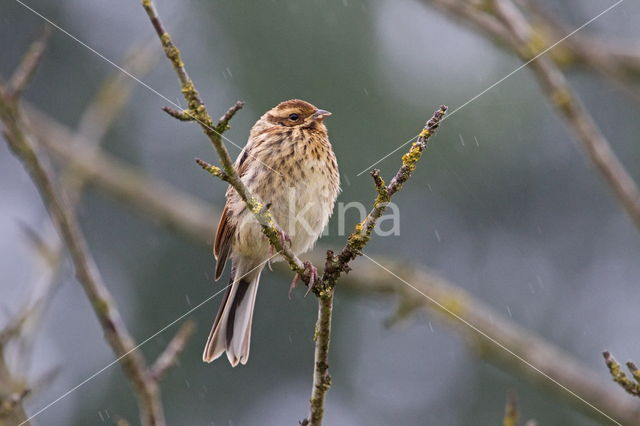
<point>320,114</point>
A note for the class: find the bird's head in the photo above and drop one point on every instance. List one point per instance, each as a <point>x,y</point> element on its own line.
<point>296,113</point>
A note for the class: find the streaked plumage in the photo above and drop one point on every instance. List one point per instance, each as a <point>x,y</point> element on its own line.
<point>287,163</point>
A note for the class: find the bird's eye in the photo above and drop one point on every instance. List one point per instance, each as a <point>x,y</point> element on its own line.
<point>293,117</point>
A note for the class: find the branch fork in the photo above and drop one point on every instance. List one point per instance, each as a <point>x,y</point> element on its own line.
<point>335,265</point>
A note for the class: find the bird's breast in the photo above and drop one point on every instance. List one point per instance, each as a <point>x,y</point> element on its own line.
<point>300,181</point>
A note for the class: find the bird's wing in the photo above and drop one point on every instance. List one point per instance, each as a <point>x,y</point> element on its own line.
<point>226,227</point>
<point>222,244</point>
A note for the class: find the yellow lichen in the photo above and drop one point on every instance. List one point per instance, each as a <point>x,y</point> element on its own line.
<point>410,159</point>
<point>562,98</point>
<point>454,305</point>
<point>425,133</point>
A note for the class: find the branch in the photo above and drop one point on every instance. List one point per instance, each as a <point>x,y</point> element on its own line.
<point>576,117</point>
<point>29,64</point>
<point>12,389</point>
<point>199,113</point>
<point>178,115</point>
<point>321,376</point>
<point>193,219</point>
<point>356,242</point>
<point>631,386</point>
<point>523,344</point>
<point>617,60</point>
<point>501,20</point>
<point>511,414</point>
<point>336,265</point>
<point>86,271</point>
<point>613,60</point>
<point>162,203</point>
<point>223,123</point>
<point>169,357</point>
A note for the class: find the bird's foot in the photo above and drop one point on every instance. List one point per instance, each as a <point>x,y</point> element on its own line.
<point>284,238</point>
<point>312,272</point>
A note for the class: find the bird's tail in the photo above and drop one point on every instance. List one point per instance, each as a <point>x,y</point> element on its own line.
<point>231,332</point>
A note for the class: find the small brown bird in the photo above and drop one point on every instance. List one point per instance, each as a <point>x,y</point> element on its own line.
<point>288,164</point>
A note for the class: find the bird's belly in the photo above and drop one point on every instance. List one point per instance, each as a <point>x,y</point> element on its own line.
<point>301,207</point>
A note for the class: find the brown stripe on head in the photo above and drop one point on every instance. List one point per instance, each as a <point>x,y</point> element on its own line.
<point>290,113</point>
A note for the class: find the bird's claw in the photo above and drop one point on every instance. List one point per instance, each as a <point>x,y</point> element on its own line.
<point>284,238</point>
<point>312,272</point>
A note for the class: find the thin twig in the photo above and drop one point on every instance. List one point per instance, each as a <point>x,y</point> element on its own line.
<point>213,170</point>
<point>12,389</point>
<point>29,64</point>
<point>615,369</point>
<point>169,356</point>
<point>178,115</point>
<point>511,410</point>
<point>223,123</point>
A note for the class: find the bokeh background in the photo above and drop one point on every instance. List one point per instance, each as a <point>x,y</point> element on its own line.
<point>504,203</point>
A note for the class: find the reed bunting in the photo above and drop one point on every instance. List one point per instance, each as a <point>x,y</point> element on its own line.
<point>289,165</point>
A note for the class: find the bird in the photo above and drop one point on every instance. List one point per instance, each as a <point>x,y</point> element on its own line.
<point>288,163</point>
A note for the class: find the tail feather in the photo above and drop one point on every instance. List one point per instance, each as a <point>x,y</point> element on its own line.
<point>231,332</point>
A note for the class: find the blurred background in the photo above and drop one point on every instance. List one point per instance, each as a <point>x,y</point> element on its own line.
<point>504,203</point>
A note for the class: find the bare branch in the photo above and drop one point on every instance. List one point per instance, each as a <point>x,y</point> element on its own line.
<point>223,123</point>
<point>522,343</point>
<point>511,410</point>
<point>576,117</point>
<point>321,376</point>
<point>615,61</point>
<point>184,115</point>
<point>169,357</point>
<point>29,64</point>
<point>86,271</point>
<point>158,201</point>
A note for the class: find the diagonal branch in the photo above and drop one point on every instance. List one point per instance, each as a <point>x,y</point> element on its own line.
<point>29,64</point>
<point>169,357</point>
<point>615,369</point>
<point>86,271</point>
<point>617,61</point>
<point>60,207</point>
<point>162,203</point>
<point>335,265</point>
<point>198,112</point>
<point>575,115</point>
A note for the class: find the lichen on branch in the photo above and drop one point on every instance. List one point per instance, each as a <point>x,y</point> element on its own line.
<point>197,111</point>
